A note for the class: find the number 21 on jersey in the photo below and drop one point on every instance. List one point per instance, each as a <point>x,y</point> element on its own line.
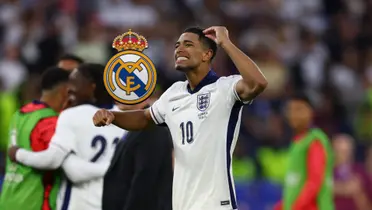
<point>99,142</point>
<point>187,132</point>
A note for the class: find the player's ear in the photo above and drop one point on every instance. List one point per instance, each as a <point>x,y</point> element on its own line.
<point>207,55</point>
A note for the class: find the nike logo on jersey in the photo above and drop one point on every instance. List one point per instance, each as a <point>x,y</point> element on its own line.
<point>175,108</point>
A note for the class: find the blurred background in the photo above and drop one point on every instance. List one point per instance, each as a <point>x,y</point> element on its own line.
<point>323,47</point>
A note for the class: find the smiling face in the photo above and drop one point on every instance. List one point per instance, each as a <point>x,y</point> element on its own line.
<point>190,52</point>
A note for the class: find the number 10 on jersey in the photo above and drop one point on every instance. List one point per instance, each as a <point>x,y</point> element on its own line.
<point>187,132</point>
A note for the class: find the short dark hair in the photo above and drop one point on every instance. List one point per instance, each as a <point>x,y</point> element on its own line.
<point>301,96</point>
<point>94,73</point>
<point>52,77</point>
<point>71,57</point>
<point>207,42</point>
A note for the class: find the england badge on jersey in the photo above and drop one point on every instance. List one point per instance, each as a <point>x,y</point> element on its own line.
<point>203,101</point>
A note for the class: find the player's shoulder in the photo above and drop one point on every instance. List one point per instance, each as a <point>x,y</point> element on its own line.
<point>46,123</point>
<point>229,79</point>
<point>175,88</point>
<point>48,120</point>
<point>78,108</point>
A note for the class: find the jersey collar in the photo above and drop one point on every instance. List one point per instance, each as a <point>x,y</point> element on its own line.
<point>210,78</point>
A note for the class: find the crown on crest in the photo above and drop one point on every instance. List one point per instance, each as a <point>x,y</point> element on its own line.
<point>130,41</point>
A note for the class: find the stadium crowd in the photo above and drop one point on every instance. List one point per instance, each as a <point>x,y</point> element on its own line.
<point>323,47</point>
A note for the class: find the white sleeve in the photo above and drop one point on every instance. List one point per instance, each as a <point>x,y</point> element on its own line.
<point>157,110</point>
<point>64,136</point>
<point>229,87</point>
<point>79,170</point>
<point>50,158</point>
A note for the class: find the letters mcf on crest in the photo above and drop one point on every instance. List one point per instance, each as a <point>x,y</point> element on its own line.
<point>130,76</point>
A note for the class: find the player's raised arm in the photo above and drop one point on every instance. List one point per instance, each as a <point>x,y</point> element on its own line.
<point>253,82</point>
<point>134,119</point>
<point>128,120</point>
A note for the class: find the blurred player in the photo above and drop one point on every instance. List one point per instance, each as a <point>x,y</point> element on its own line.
<point>75,133</point>
<point>69,62</point>
<point>308,184</point>
<point>32,127</point>
<point>203,115</point>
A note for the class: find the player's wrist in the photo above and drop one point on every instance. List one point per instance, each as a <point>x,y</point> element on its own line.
<point>226,44</point>
<point>114,114</point>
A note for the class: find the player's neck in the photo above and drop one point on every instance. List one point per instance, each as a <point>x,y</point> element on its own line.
<point>301,130</point>
<point>51,100</point>
<point>196,76</point>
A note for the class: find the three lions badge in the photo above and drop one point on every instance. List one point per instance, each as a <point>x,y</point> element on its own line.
<point>130,76</point>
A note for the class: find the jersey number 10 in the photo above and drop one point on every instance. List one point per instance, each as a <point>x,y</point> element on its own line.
<point>187,132</point>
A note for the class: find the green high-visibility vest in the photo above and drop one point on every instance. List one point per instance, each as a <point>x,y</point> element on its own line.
<point>297,171</point>
<point>23,186</point>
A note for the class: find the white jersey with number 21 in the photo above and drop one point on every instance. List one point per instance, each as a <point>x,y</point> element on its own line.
<point>76,132</point>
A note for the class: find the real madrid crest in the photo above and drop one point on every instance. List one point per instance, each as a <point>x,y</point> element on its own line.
<point>130,76</point>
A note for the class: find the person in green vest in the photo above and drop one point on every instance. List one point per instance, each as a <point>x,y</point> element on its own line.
<point>308,182</point>
<point>32,128</point>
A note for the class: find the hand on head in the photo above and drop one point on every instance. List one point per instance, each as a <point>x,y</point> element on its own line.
<point>218,34</point>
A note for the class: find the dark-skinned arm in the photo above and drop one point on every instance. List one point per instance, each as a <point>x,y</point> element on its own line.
<point>253,81</point>
<point>132,120</point>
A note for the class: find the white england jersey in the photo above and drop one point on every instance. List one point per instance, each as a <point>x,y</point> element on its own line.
<point>204,125</point>
<point>76,132</point>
